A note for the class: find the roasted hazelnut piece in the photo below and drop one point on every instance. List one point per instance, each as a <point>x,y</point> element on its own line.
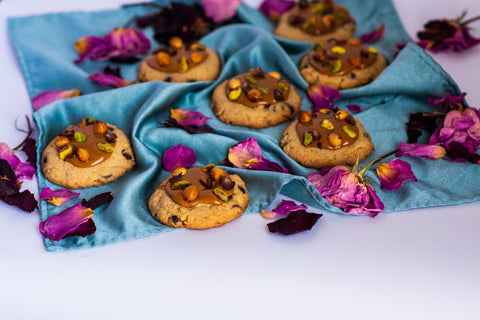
<point>304,116</point>
<point>335,140</point>
<point>62,141</point>
<point>82,154</point>
<point>100,127</point>
<point>175,42</point>
<point>163,58</point>
<point>217,173</point>
<point>196,57</point>
<point>254,95</point>
<point>179,171</point>
<point>190,193</point>
<point>341,114</point>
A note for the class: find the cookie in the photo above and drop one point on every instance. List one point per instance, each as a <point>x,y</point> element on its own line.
<point>180,62</point>
<point>326,139</point>
<point>316,22</point>
<point>342,64</point>
<point>256,100</point>
<point>199,198</point>
<point>89,154</point>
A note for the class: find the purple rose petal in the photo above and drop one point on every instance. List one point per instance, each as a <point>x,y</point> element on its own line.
<point>110,80</point>
<point>220,10</point>
<point>354,108</point>
<point>374,35</point>
<point>189,118</point>
<point>46,97</point>
<point>56,227</point>
<point>393,174</point>
<point>275,8</point>
<point>22,170</point>
<point>57,197</point>
<point>178,156</point>
<point>287,206</point>
<point>432,152</point>
<point>448,102</point>
<point>323,97</point>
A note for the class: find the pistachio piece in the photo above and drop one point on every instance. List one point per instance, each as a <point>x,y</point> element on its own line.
<point>190,193</point>
<point>304,116</point>
<point>263,89</point>
<point>338,49</point>
<point>183,63</point>
<point>307,138</point>
<point>163,58</point>
<point>335,140</point>
<point>179,171</point>
<point>317,47</point>
<point>372,50</point>
<point>105,147</point>
<point>62,141</point>
<point>283,86</point>
<point>79,137</point>
<point>275,75</point>
<point>82,154</point>
<point>309,24</point>
<point>324,111</point>
<point>326,124</point>
<point>235,94</point>
<point>87,121</point>
<point>208,167</point>
<point>65,152</point>
<point>340,15</point>
<point>180,185</point>
<point>349,131</point>
<point>337,66</point>
<point>319,8</point>
<point>220,194</point>
<point>251,80</point>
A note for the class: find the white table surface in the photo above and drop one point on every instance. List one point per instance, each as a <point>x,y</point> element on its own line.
<point>419,264</point>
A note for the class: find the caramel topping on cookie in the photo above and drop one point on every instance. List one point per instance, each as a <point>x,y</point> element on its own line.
<point>318,17</point>
<point>327,129</point>
<point>86,144</point>
<point>178,56</point>
<point>338,58</point>
<point>200,185</point>
<point>257,88</point>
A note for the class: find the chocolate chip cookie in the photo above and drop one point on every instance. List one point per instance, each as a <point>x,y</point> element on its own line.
<point>91,153</point>
<point>199,198</point>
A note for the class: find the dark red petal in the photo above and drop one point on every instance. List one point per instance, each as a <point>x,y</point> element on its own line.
<point>24,200</point>
<point>98,200</point>
<point>297,221</point>
<point>85,229</point>
<point>29,148</point>
<point>8,180</point>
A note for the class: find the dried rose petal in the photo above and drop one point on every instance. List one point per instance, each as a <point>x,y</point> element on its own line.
<point>374,35</point>
<point>57,197</point>
<point>354,108</point>
<point>448,103</point>
<point>9,185</point>
<point>189,118</point>
<point>287,206</point>
<point>46,97</point>
<point>178,156</point>
<point>22,170</point>
<point>56,227</point>
<point>220,10</point>
<point>322,97</point>
<point>29,148</point>
<point>24,200</point>
<point>120,42</point>
<point>428,151</point>
<point>295,222</point>
<point>459,153</point>
<point>275,8</point>
<point>393,174</point>
<point>98,200</point>
<point>110,80</point>
<point>342,189</point>
<point>249,155</point>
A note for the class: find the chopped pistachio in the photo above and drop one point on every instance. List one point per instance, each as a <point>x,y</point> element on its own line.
<point>235,94</point>
<point>65,152</point>
<point>263,89</point>
<point>220,194</point>
<point>349,131</point>
<point>180,185</point>
<point>319,8</point>
<point>208,167</point>
<point>307,138</point>
<point>251,80</point>
<point>337,66</point>
<point>326,124</point>
<point>324,111</point>
<point>282,86</point>
<point>372,50</point>
<point>338,49</point>
<point>183,63</point>
<point>79,137</point>
<point>105,147</point>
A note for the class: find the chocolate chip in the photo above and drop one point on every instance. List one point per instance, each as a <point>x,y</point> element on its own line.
<point>176,178</point>
<point>45,160</point>
<point>236,206</point>
<point>207,184</point>
<point>296,20</point>
<point>257,72</point>
<point>168,79</point>
<point>364,53</point>
<point>303,4</point>
<point>242,189</point>
<point>174,219</point>
<point>107,176</point>
<point>67,133</point>
<point>350,120</point>
<point>325,64</point>
<point>328,10</point>
<point>332,56</point>
<point>332,39</point>
<point>227,182</point>
<point>290,107</point>
<point>352,75</point>
<point>266,106</point>
<point>191,80</point>
<point>319,144</point>
<point>278,94</point>
<point>246,88</point>
<point>111,137</point>
<point>127,155</point>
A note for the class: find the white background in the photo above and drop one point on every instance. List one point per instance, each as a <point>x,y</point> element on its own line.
<point>420,264</point>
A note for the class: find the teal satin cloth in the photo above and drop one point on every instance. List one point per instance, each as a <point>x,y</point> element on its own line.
<point>404,87</point>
